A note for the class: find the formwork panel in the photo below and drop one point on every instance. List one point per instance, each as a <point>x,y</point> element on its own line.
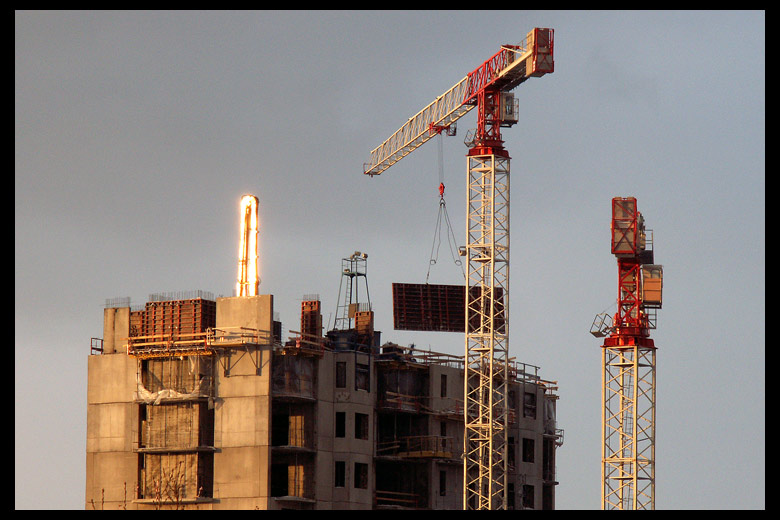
<point>429,307</point>
<point>136,322</point>
<point>178,317</point>
<point>311,319</point>
<point>364,322</point>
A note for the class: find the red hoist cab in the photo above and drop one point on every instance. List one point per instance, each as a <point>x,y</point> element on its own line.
<point>639,280</point>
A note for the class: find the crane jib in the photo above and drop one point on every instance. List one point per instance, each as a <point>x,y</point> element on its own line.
<point>505,70</point>
<point>442,112</point>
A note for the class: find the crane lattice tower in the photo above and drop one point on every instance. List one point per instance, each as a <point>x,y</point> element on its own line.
<point>628,358</point>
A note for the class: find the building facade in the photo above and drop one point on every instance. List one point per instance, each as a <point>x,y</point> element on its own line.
<point>199,404</point>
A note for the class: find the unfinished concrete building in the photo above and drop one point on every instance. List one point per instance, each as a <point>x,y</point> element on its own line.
<point>198,403</point>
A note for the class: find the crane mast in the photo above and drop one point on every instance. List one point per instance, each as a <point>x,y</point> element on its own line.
<point>628,362</point>
<point>487,249</point>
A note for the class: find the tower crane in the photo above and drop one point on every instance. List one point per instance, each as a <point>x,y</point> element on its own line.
<point>487,294</point>
<point>628,362</point>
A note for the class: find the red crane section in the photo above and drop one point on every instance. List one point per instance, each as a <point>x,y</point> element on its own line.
<point>629,244</point>
<point>488,87</point>
<point>513,64</point>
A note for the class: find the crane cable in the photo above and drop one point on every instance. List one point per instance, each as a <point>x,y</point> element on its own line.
<point>443,211</point>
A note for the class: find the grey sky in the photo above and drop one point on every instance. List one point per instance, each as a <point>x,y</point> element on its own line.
<point>138,132</point>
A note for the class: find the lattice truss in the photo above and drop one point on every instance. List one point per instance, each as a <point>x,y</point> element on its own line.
<point>628,451</point>
<point>487,337</point>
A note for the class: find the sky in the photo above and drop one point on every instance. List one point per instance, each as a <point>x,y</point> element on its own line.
<point>137,133</point>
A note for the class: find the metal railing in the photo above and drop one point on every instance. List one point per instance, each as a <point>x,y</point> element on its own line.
<point>163,345</point>
<point>417,446</point>
<point>236,336</point>
<point>396,498</point>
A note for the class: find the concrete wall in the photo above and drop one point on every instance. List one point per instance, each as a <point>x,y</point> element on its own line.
<point>112,431</point>
<point>451,401</point>
<point>349,449</point>
<point>254,312</point>
<point>116,327</point>
<point>242,414</point>
<point>529,428</point>
<point>325,428</point>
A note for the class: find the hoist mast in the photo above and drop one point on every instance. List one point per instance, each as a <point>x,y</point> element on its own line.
<point>487,249</point>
